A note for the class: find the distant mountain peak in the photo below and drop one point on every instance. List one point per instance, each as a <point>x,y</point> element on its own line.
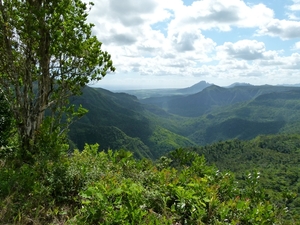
<point>201,84</point>
<point>195,88</point>
<point>238,84</point>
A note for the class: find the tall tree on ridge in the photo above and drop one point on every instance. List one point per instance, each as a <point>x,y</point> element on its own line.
<point>48,53</point>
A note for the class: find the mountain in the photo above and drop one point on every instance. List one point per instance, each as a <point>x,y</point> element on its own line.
<point>269,113</point>
<point>114,109</point>
<point>152,127</point>
<point>119,120</point>
<point>148,93</point>
<point>114,120</point>
<point>194,89</point>
<point>211,97</point>
<point>238,84</point>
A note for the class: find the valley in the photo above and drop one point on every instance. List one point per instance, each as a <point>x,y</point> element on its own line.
<point>153,126</point>
<point>244,129</point>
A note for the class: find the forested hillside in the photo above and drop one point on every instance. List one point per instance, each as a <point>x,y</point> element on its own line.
<point>270,113</point>
<point>211,97</point>
<point>119,120</point>
<point>114,120</point>
<point>276,158</point>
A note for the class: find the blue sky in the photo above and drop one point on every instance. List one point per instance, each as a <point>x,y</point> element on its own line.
<point>177,43</point>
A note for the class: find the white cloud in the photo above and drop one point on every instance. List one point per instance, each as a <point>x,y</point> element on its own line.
<point>220,14</point>
<point>296,46</point>
<point>130,13</point>
<point>234,64</point>
<point>252,73</point>
<point>245,50</point>
<point>192,43</point>
<point>295,6</point>
<point>293,10</point>
<point>284,29</point>
<point>168,38</point>
<point>293,62</point>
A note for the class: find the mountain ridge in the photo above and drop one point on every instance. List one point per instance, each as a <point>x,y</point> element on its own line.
<point>202,102</point>
<point>216,113</point>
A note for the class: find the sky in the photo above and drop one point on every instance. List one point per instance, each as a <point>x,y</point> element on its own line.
<point>177,43</point>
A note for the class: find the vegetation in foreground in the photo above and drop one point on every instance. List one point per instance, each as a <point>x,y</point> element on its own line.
<point>49,55</point>
<point>276,157</point>
<point>92,187</point>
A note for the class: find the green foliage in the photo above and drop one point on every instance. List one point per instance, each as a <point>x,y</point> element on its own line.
<point>222,114</point>
<point>118,120</point>
<point>48,53</point>
<point>6,121</point>
<point>275,157</point>
<point>113,109</point>
<point>197,194</point>
<point>110,137</point>
<point>93,187</point>
<point>165,141</point>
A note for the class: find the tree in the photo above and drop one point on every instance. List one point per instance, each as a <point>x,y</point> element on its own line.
<point>48,53</point>
<point>5,121</point>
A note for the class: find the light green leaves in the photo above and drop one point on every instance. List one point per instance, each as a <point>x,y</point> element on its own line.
<point>48,53</point>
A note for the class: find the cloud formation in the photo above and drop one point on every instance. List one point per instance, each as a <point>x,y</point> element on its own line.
<point>246,50</point>
<point>294,10</point>
<point>285,29</point>
<point>213,39</point>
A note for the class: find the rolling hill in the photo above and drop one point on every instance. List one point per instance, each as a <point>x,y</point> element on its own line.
<point>152,127</point>
<point>211,97</point>
<point>270,113</point>
<point>119,120</point>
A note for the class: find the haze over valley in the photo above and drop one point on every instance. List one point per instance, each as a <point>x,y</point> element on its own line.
<point>160,120</point>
